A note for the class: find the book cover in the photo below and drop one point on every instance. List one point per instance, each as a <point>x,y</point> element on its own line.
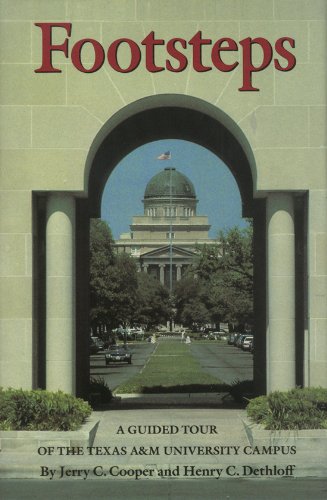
<point>171,121</point>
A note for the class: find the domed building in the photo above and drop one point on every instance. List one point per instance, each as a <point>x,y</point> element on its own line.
<point>165,237</point>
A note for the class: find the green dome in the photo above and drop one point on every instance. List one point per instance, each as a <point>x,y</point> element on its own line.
<point>159,185</point>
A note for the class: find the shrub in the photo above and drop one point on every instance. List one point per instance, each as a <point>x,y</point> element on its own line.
<point>41,410</point>
<point>99,392</point>
<point>241,390</point>
<point>294,409</point>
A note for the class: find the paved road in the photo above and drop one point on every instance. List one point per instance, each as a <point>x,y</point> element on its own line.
<point>118,373</point>
<point>226,362</point>
<point>219,359</point>
<point>232,489</point>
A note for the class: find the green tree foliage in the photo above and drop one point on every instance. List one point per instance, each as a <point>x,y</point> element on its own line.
<point>101,259</point>
<point>122,291</point>
<point>119,294</point>
<point>153,306</point>
<point>223,287</point>
<point>191,301</point>
<point>231,285</point>
<point>113,281</point>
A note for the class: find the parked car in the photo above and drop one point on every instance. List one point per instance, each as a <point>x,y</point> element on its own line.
<point>236,337</point>
<point>247,342</point>
<point>98,342</point>
<point>93,348</point>
<point>231,338</point>
<point>118,354</point>
<point>137,332</point>
<point>240,340</point>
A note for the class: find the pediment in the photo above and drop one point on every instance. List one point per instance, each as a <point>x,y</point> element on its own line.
<point>164,252</point>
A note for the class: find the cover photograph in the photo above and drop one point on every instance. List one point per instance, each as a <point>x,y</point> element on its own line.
<point>163,239</point>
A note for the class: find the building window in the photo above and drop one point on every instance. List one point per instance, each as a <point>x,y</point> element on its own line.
<point>168,236</point>
<point>188,211</point>
<point>170,211</point>
<point>152,212</point>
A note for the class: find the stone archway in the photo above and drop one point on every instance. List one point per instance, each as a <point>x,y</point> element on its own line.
<point>182,117</point>
<point>173,117</point>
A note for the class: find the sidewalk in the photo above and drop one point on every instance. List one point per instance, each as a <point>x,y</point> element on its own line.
<point>134,443</point>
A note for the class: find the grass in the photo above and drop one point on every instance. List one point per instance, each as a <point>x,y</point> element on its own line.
<point>172,368</point>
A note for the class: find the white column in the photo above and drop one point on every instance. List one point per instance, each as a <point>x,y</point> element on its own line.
<point>162,273</point>
<point>145,268</point>
<point>281,292</point>
<point>60,294</point>
<point>179,272</point>
<point>316,338</point>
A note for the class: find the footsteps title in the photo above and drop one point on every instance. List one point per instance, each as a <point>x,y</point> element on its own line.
<point>125,55</point>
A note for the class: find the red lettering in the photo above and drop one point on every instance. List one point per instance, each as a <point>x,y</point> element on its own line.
<point>135,55</point>
<point>48,47</point>
<point>176,54</point>
<point>98,52</point>
<point>197,41</point>
<point>215,54</point>
<point>248,66</point>
<point>280,49</point>
<point>150,42</point>
<point>257,54</point>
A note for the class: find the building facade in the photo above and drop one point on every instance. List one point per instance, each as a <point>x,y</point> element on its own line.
<point>165,238</point>
<point>63,133</point>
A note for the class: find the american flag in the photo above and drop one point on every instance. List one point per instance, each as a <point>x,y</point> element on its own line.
<point>164,156</point>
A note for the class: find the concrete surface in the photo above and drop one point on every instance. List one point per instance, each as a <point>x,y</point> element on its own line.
<point>168,489</point>
<point>168,443</point>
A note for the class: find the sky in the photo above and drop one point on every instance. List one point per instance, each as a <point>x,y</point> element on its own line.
<point>216,189</point>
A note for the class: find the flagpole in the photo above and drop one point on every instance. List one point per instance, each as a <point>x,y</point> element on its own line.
<point>170,237</point>
<point>167,156</point>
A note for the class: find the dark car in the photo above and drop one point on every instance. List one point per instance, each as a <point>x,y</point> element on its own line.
<point>93,348</point>
<point>118,354</point>
<point>98,342</point>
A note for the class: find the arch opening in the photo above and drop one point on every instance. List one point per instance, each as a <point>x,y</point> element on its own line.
<point>170,117</point>
<point>190,119</point>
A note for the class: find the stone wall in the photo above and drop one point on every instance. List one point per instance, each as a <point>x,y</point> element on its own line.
<point>49,121</point>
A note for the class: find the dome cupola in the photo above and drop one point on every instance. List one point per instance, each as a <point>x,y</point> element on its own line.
<point>169,182</point>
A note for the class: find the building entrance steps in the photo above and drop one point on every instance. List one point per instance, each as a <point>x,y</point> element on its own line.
<point>179,443</point>
<point>174,426</point>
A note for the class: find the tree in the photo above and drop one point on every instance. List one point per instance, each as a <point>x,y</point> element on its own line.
<point>191,301</point>
<point>153,305</point>
<point>101,258</point>
<point>113,281</point>
<point>228,270</point>
<point>122,291</point>
<point>223,288</point>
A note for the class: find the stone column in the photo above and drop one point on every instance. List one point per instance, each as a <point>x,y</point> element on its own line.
<point>179,272</point>
<point>145,268</point>
<point>162,273</point>
<point>281,292</point>
<point>316,338</point>
<point>60,293</point>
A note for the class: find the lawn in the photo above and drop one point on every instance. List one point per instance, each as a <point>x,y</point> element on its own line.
<point>171,368</point>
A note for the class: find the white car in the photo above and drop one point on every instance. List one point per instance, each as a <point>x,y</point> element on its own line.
<point>246,344</point>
